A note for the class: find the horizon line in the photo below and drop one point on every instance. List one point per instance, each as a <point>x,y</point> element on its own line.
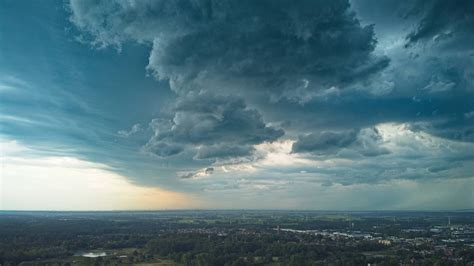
<point>243,209</point>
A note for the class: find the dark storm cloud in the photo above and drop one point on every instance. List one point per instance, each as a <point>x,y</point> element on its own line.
<point>459,129</point>
<point>217,126</point>
<point>328,76</point>
<point>366,142</point>
<point>442,19</point>
<point>230,46</point>
<point>241,81</point>
<point>223,151</point>
<point>267,49</point>
<point>324,141</point>
<point>163,149</point>
<point>447,28</point>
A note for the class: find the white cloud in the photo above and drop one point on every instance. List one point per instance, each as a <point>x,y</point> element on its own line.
<point>135,129</point>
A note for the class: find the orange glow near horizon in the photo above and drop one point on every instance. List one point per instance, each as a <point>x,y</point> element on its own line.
<point>68,183</point>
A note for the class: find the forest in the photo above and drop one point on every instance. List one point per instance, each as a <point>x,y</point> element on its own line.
<point>234,238</point>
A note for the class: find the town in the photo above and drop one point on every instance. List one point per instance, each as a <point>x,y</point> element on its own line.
<point>237,238</point>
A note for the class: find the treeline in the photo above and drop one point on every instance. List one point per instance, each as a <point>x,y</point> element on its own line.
<point>266,249</point>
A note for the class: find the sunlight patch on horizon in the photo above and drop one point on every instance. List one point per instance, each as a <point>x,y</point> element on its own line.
<point>68,183</point>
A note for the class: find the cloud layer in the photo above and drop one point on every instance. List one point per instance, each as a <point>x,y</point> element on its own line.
<point>246,73</point>
<point>250,99</point>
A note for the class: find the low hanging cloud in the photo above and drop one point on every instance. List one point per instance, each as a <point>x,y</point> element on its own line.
<point>366,142</point>
<point>196,174</point>
<point>214,126</point>
<point>324,141</point>
<point>224,151</point>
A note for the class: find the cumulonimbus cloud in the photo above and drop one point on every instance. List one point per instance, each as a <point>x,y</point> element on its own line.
<point>240,67</point>
<point>230,46</point>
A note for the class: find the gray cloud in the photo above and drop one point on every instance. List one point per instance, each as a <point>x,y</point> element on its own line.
<point>223,151</point>
<point>217,126</point>
<point>199,173</point>
<point>242,72</point>
<point>267,46</point>
<point>162,148</point>
<point>324,142</point>
<point>365,142</point>
<point>316,69</point>
<point>459,129</point>
<point>442,20</point>
<point>369,143</point>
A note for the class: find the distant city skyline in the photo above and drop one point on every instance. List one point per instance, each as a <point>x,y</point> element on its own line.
<point>170,104</point>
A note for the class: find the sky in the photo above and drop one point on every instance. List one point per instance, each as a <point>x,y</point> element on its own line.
<point>206,104</point>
